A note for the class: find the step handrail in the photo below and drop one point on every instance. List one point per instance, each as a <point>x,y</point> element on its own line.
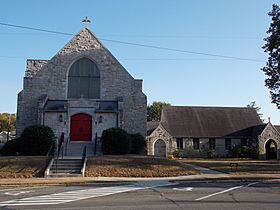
<point>84,153</point>
<point>60,148</point>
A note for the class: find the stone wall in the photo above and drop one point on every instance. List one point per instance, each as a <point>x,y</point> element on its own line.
<point>50,78</point>
<point>188,150</point>
<point>269,133</point>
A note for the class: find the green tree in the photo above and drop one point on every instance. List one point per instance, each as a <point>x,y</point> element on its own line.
<point>154,110</point>
<point>272,48</point>
<point>258,109</point>
<point>7,122</point>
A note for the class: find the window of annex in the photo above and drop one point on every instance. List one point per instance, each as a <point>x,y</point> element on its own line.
<point>195,143</point>
<point>84,80</point>
<point>179,142</point>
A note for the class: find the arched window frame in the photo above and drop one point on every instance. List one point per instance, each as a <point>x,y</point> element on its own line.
<point>83,79</point>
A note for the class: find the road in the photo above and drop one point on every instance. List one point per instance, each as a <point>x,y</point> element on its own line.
<point>146,195</point>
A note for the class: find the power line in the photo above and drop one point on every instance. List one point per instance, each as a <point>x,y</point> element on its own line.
<point>136,44</point>
<point>36,29</point>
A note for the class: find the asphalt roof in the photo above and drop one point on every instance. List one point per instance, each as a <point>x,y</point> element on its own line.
<point>189,121</point>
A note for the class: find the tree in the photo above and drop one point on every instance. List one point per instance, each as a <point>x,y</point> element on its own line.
<point>258,109</point>
<point>272,47</point>
<point>154,110</point>
<point>7,122</point>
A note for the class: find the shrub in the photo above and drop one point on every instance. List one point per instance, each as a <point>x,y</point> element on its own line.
<point>211,153</point>
<point>177,154</point>
<point>171,157</point>
<point>115,141</point>
<point>36,140</point>
<point>11,147</point>
<point>138,143</point>
<point>244,152</point>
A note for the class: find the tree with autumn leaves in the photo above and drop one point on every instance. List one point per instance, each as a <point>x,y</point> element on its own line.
<point>7,122</point>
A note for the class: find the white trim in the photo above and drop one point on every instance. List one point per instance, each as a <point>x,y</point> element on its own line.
<point>153,151</point>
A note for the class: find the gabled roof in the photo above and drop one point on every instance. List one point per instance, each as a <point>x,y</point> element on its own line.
<point>187,121</point>
<point>151,126</point>
<point>277,128</point>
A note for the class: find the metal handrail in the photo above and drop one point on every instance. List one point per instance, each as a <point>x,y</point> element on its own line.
<point>61,140</point>
<point>60,146</point>
<point>84,153</point>
<point>66,145</point>
<point>95,143</point>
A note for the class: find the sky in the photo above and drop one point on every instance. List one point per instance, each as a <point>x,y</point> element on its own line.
<point>195,28</point>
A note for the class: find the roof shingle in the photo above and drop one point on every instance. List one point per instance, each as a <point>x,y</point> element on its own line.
<point>187,121</point>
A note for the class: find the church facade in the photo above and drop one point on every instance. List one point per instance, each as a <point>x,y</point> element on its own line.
<point>80,92</point>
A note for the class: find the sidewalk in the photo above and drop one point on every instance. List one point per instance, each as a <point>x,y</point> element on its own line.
<point>206,175</point>
<point>92,180</point>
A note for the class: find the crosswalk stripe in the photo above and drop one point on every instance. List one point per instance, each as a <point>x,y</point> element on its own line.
<point>65,197</point>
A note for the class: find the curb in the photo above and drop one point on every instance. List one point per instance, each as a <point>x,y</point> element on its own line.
<point>96,180</point>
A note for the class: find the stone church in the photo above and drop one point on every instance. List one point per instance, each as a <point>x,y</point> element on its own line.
<point>80,92</point>
<point>211,131</point>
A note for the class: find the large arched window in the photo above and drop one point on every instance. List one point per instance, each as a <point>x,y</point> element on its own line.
<point>84,79</point>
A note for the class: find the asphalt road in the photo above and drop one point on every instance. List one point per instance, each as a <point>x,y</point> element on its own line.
<point>149,195</point>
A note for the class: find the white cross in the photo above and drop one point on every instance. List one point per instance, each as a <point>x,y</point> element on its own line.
<point>86,21</point>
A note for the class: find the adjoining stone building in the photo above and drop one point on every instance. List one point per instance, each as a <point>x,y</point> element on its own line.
<point>80,92</point>
<point>196,131</point>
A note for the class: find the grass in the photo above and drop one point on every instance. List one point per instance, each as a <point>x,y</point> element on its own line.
<point>245,166</point>
<point>22,166</point>
<point>136,166</point>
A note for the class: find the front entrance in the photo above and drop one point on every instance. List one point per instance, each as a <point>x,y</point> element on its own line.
<point>271,149</point>
<point>160,148</point>
<point>80,127</point>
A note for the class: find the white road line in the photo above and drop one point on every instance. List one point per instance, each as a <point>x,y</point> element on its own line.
<point>65,197</point>
<point>15,189</point>
<point>217,193</point>
<point>227,190</point>
<point>248,185</point>
<point>188,189</point>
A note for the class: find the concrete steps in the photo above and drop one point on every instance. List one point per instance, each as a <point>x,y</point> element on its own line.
<point>66,167</point>
<point>76,149</point>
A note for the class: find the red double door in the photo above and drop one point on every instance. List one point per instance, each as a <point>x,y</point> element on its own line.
<point>80,127</point>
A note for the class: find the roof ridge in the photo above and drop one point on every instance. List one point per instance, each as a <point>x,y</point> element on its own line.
<point>229,107</point>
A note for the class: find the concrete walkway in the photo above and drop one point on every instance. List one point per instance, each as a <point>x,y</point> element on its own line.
<point>204,170</point>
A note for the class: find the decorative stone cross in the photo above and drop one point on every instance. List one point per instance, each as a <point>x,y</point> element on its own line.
<point>86,21</point>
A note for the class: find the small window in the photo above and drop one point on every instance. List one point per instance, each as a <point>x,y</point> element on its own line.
<point>228,144</point>
<point>196,143</point>
<point>179,143</point>
<point>244,142</point>
<point>212,143</point>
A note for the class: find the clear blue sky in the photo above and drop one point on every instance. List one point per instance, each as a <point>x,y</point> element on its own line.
<point>224,27</point>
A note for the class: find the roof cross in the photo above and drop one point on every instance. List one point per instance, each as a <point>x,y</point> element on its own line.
<point>86,21</point>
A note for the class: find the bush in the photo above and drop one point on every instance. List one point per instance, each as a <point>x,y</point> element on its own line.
<point>115,141</point>
<point>11,147</point>
<point>138,143</point>
<point>244,152</point>
<point>36,140</point>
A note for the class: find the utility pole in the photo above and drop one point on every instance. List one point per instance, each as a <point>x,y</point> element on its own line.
<point>8,128</point>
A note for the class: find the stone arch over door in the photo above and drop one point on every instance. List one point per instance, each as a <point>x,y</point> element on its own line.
<point>81,127</point>
<point>269,136</point>
<point>160,148</point>
<point>271,149</point>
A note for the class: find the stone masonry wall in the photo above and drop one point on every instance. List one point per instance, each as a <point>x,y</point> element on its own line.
<point>51,78</point>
